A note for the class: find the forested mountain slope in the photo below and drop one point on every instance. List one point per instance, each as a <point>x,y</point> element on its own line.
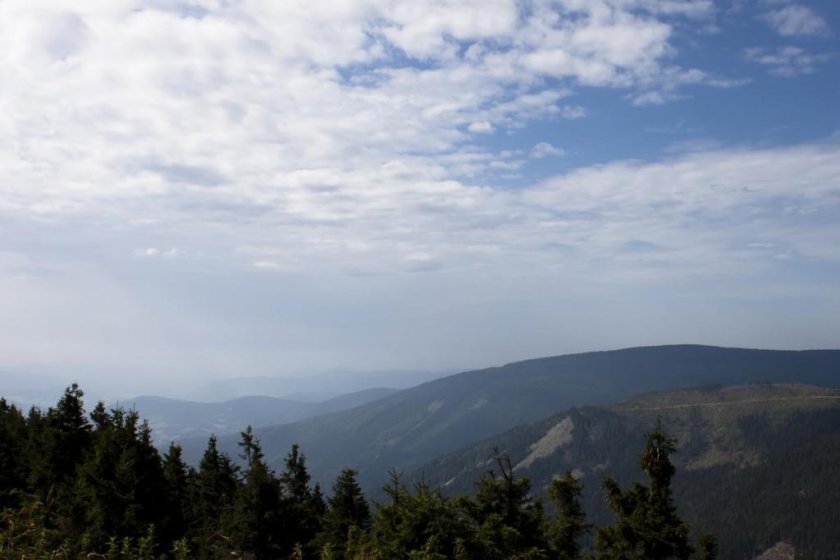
<point>415,425</point>
<point>90,484</point>
<point>757,464</point>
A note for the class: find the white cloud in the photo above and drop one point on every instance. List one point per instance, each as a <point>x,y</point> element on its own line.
<point>544,149</point>
<point>294,132</point>
<point>698,205</point>
<point>571,112</point>
<point>112,111</point>
<point>787,61</point>
<point>481,127</point>
<point>699,209</point>
<point>154,252</point>
<point>317,139</point>
<point>797,20</point>
<point>651,98</point>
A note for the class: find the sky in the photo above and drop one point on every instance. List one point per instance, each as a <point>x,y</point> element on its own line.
<point>221,188</point>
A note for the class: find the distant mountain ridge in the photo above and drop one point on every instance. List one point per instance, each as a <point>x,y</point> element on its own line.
<point>413,426</point>
<point>176,419</point>
<point>313,387</point>
<point>708,424</point>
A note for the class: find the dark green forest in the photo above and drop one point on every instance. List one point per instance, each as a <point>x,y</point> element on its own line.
<point>409,428</point>
<point>756,464</point>
<point>92,485</point>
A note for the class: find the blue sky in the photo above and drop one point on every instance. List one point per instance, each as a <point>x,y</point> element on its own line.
<point>210,188</point>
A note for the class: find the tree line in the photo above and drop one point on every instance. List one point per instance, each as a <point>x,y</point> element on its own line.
<point>92,485</point>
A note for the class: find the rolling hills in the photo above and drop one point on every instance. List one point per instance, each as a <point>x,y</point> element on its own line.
<point>757,464</point>
<point>176,419</point>
<point>413,426</point>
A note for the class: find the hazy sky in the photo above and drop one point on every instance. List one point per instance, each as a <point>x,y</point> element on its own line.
<point>250,187</point>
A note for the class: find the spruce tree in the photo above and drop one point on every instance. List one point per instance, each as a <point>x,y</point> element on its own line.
<point>708,547</point>
<point>213,492</point>
<point>121,489</point>
<point>303,508</point>
<point>569,525</point>
<point>257,527</point>
<point>419,524</point>
<point>508,521</point>
<point>347,509</point>
<point>295,478</point>
<point>58,442</point>
<point>647,526</point>
<point>177,478</point>
<point>14,468</point>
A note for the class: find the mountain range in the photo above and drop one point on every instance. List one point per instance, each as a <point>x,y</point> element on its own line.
<point>408,428</point>
<point>756,464</point>
<point>176,419</point>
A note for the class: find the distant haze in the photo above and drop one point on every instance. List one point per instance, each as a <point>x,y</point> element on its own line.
<point>198,191</point>
<point>29,389</point>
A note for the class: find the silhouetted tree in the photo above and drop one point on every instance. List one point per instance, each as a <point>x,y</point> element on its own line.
<point>347,509</point>
<point>258,527</point>
<point>647,526</point>
<point>569,525</point>
<point>418,524</point>
<point>213,495</point>
<point>303,508</point>
<point>14,468</point>
<point>177,477</point>
<point>507,521</point>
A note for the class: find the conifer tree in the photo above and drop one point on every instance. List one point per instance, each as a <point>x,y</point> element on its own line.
<point>647,526</point>
<point>319,503</point>
<point>708,547</point>
<point>419,524</point>
<point>507,519</point>
<point>120,490</point>
<point>295,478</point>
<point>59,441</point>
<point>569,525</point>
<point>13,465</point>
<point>347,509</point>
<point>72,432</point>
<point>303,507</point>
<point>213,494</point>
<point>118,498</point>
<point>177,478</point>
<point>257,527</point>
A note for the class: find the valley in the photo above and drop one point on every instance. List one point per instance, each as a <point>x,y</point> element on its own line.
<point>404,430</point>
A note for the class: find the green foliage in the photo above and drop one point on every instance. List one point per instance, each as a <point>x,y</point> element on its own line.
<point>379,435</point>
<point>177,477</point>
<point>212,497</point>
<point>57,443</point>
<point>303,507</point>
<point>115,497</point>
<point>347,510</point>
<point>120,488</point>
<point>507,522</point>
<point>761,471</point>
<point>569,526</point>
<point>792,495</point>
<point>647,526</point>
<point>420,522</point>
<point>708,547</point>
<point>13,464</point>
<point>257,518</point>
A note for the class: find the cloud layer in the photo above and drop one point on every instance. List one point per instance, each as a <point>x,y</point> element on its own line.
<point>366,139</point>
<point>273,105</point>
